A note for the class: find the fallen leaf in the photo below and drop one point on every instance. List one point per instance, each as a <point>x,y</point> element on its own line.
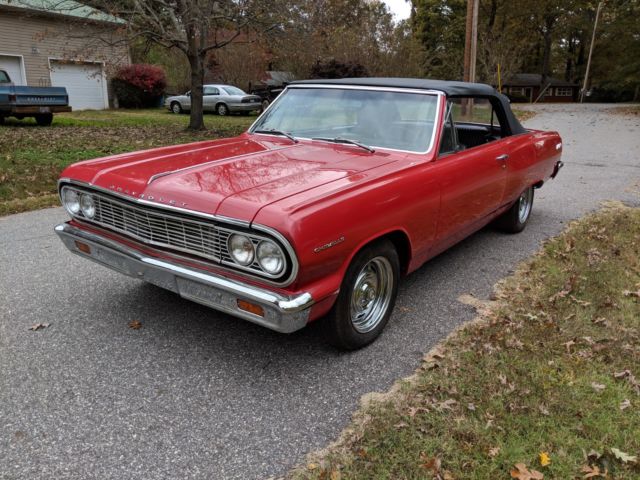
<point>400,425</point>
<point>597,386</point>
<point>135,324</point>
<point>335,475</point>
<point>569,344</point>
<point>312,466</point>
<point>493,452</point>
<point>623,457</point>
<point>430,463</point>
<point>625,404</point>
<point>38,326</point>
<point>471,407</point>
<point>545,459</point>
<point>543,410</point>
<point>593,471</point>
<point>521,472</point>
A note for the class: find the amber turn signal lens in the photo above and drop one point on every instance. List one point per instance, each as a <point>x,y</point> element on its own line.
<point>83,247</point>
<point>251,308</point>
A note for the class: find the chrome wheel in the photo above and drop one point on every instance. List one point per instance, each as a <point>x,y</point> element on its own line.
<point>222,110</point>
<point>524,205</point>
<point>371,295</point>
<point>175,107</point>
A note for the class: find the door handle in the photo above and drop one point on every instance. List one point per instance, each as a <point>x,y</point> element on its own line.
<point>502,158</point>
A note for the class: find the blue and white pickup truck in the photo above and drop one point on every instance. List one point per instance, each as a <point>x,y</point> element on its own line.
<point>38,102</point>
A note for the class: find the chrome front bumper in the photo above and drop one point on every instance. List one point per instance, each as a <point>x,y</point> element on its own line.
<point>281,313</point>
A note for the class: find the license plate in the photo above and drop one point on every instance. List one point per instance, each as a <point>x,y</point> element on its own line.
<point>45,110</point>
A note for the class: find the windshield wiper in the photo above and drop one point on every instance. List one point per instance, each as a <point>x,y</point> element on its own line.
<point>348,141</point>
<point>273,131</point>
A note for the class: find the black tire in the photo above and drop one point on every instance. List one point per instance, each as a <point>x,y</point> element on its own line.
<point>222,109</point>
<point>265,104</point>
<point>176,107</point>
<point>341,329</point>
<point>44,119</point>
<point>515,219</point>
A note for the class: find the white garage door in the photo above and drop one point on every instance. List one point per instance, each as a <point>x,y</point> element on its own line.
<point>13,66</point>
<point>84,83</point>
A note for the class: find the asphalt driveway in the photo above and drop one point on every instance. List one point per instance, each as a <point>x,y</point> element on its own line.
<point>197,394</point>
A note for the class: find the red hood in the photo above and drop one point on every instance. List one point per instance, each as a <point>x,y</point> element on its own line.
<point>232,177</point>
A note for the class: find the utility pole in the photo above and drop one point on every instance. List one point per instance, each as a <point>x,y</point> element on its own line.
<point>471,41</point>
<point>593,40</point>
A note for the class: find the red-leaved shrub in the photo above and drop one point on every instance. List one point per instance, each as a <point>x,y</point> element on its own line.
<point>139,85</point>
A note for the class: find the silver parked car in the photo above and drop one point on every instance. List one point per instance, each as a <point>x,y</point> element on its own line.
<point>222,99</point>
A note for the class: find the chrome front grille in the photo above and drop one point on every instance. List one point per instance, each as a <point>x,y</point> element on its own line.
<point>149,226</point>
<point>177,230</point>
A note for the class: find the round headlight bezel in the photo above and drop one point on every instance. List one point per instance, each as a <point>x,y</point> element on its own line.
<point>246,240</point>
<point>89,211</point>
<point>71,200</point>
<point>274,252</point>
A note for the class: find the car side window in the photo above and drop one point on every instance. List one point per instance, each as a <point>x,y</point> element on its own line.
<point>4,77</point>
<point>211,91</point>
<point>475,121</point>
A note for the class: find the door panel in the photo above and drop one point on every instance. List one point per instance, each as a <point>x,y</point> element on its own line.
<point>210,98</point>
<point>472,186</point>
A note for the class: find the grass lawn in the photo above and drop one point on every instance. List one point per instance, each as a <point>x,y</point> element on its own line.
<point>32,157</point>
<point>544,384</point>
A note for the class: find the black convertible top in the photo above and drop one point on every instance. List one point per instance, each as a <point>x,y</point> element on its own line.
<point>451,89</point>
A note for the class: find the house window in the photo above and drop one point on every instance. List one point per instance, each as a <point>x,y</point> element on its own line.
<point>516,91</point>
<point>564,92</point>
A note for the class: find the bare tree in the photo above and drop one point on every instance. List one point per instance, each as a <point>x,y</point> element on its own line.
<point>193,27</point>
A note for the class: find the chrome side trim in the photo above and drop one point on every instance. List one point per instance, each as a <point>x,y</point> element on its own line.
<point>283,313</point>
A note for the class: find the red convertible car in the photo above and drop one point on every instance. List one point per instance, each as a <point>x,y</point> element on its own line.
<point>339,189</point>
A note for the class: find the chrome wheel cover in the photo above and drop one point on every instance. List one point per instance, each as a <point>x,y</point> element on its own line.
<point>524,205</point>
<point>222,110</point>
<point>371,294</point>
<point>175,108</point>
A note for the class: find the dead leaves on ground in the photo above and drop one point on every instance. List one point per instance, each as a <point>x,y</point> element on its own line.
<point>135,325</point>
<point>38,326</point>
<point>521,472</point>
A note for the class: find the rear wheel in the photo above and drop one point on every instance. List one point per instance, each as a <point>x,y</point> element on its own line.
<point>265,104</point>
<point>44,119</point>
<point>176,107</point>
<point>366,299</point>
<point>222,109</point>
<point>515,219</point>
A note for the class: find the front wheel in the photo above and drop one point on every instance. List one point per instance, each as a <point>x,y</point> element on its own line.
<point>176,107</point>
<point>222,109</point>
<point>515,219</point>
<point>44,119</point>
<point>366,299</point>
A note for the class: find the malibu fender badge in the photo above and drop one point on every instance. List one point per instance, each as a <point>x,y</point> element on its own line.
<point>332,243</point>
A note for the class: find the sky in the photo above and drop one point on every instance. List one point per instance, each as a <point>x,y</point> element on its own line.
<point>401,8</point>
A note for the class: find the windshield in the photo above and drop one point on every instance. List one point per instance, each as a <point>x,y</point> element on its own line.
<point>233,91</point>
<point>378,118</point>
<point>4,78</point>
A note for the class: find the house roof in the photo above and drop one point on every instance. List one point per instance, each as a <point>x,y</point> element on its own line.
<point>67,8</point>
<point>534,80</point>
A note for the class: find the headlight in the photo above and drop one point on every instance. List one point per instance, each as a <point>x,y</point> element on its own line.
<point>87,205</point>
<point>241,249</point>
<point>270,257</point>
<point>71,200</point>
